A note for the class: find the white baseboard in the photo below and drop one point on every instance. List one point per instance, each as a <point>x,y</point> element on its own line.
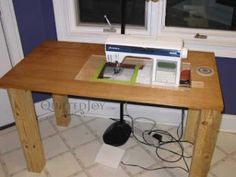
<point>41,108</point>
<point>228,123</point>
<point>101,109</point>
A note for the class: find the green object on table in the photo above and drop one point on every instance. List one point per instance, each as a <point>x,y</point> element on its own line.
<point>100,68</point>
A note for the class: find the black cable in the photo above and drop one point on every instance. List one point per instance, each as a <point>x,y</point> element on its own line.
<point>152,169</point>
<point>181,125</point>
<point>160,146</point>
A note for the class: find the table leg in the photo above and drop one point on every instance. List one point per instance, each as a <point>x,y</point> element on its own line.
<point>191,125</point>
<point>205,143</point>
<point>27,127</point>
<point>62,110</point>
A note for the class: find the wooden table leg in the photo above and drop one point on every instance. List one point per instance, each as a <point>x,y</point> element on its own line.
<point>28,130</point>
<point>191,125</point>
<point>62,110</point>
<point>205,143</point>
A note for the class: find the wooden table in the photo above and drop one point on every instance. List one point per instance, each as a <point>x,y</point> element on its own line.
<point>52,67</point>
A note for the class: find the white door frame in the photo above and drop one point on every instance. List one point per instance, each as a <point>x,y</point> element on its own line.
<point>11,31</point>
<point>5,108</point>
<point>13,53</point>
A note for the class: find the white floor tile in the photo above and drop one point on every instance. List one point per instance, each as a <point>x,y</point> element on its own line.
<point>75,121</point>
<point>103,171</point>
<point>14,161</point>
<point>173,132</point>
<point>99,126</point>
<point>29,174</point>
<point>53,146</point>
<point>137,156</point>
<point>7,130</point>
<point>2,174</point>
<point>130,143</point>
<point>151,150</point>
<point>218,155</point>
<point>163,153</point>
<point>227,141</point>
<point>234,156</point>
<point>154,173</point>
<point>9,142</point>
<point>63,165</point>
<point>209,175</point>
<point>46,128</point>
<point>226,168</point>
<point>77,136</point>
<point>80,175</point>
<point>177,171</point>
<point>87,118</point>
<point>188,149</point>
<point>87,153</point>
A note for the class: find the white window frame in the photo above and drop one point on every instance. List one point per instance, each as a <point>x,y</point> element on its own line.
<point>222,43</point>
<point>67,30</point>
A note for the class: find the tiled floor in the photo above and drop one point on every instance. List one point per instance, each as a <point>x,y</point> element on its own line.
<point>70,152</point>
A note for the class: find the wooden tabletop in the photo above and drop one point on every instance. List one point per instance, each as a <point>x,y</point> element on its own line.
<point>53,66</point>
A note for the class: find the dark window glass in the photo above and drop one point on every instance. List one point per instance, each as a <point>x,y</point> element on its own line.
<point>206,14</point>
<point>93,11</point>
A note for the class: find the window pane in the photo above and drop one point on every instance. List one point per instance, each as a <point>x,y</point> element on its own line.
<point>93,11</point>
<point>206,14</point>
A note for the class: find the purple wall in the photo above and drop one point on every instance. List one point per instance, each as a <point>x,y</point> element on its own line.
<point>227,73</point>
<point>36,23</point>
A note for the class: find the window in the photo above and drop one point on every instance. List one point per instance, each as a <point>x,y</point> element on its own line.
<point>198,24</point>
<point>93,11</point>
<point>205,14</point>
<point>205,25</point>
<point>83,20</point>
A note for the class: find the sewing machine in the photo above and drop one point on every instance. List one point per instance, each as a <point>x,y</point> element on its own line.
<point>165,54</point>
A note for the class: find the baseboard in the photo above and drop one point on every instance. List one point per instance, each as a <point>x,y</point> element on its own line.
<point>228,123</point>
<point>42,108</point>
<point>101,109</point>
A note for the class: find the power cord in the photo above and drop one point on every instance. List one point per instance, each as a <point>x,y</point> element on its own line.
<point>159,134</point>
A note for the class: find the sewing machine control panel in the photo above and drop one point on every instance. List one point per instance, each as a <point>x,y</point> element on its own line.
<point>166,72</point>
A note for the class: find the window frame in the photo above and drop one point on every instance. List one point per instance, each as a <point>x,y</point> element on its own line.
<point>222,43</point>
<point>67,30</point>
